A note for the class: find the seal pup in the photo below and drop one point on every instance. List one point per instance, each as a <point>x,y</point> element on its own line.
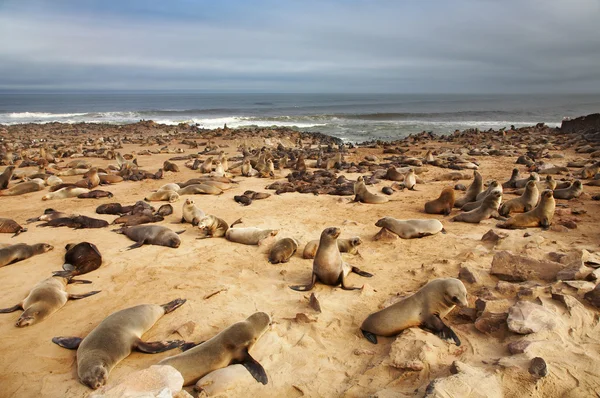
<point>191,213</point>
<point>164,210</point>
<point>443,204</point>
<point>158,196</point>
<point>170,166</point>
<point>169,187</point>
<point>47,297</point>
<point>95,194</point>
<point>362,194</point>
<point>63,193</point>
<point>214,227</point>
<point>49,215</point>
<point>574,191</point>
<point>523,203</point>
<point>489,208</point>
<point>511,182</point>
<point>410,181</point>
<point>113,209</point>
<point>6,176</point>
<point>114,338</point>
<point>472,191</point>
<point>24,187</point>
<point>8,226</point>
<point>230,346</point>
<point>151,235</point>
<point>249,235</point>
<point>345,245</point>
<point>283,250</point>
<point>22,251</point>
<point>541,216</point>
<point>80,258</point>
<point>409,229</point>
<point>76,222</point>
<point>424,309</point>
<point>328,266</point>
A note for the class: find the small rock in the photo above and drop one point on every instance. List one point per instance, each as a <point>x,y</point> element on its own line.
<point>558,228</point>
<point>414,348</point>
<point>538,367</point>
<point>569,224</point>
<point>385,235</point>
<point>363,352</point>
<point>224,379</point>
<point>594,275</point>
<point>526,235</point>
<point>314,303</point>
<point>580,285</point>
<point>525,317</point>
<point>493,237</point>
<point>573,272</point>
<point>593,296</point>
<point>470,314</point>
<point>492,323</point>
<point>518,347</point>
<point>156,381</point>
<point>467,382</point>
<point>514,268</point>
<point>460,187</point>
<point>186,330</point>
<point>466,275</point>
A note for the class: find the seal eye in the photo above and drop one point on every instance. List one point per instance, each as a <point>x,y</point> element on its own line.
<point>455,299</point>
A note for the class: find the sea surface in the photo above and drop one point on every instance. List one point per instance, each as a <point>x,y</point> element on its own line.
<point>352,117</point>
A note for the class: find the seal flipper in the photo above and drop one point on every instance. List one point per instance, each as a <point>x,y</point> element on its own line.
<point>70,343</point>
<point>256,369</point>
<point>154,347</point>
<point>369,336</point>
<point>11,309</point>
<point>360,272</point>
<point>84,295</point>
<point>305,288</point>
<point>435,325</point>
<point>173,305</point>
<point>136,245</point>
<point>189,346</point>
<point>19,231</point>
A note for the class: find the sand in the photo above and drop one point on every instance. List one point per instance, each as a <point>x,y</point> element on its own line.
<point>315,354</point>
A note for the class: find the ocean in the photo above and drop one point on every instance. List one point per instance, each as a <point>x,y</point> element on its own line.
<point>351,117</point>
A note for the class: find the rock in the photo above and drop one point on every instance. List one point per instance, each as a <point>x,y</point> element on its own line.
<point>468,382</point>
<point>580,285</point>
<point>385,235</point>
<point>594,275</point>
<point>518,347</point>
<point>492,323</point>
<point>160,381</point>
<point>492,236</point>
<point>582,124</point>
<point>466,275</point>
<point>514,268</point>
<point>573,272</point>
<point>593,296</point>
<point>525,317</point>
<point>314,303</point>
<point>568,223</point>
<point>574,257</point>
<point>415,349</point>
<point>460,187</point>
<point>538,367</point>
<point>592,260</point>
<point>558,228</point>
<point>470,314</point>
<point>186,330</point>
<point>224,379</point>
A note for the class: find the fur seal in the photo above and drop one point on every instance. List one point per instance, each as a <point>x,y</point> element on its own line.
<point>523,181</point>
<point>488,208</point>
<point>95,194</point>
<point>410,180</point>
<point>114,338</point>
<point>80,258</point>
<point>472,191</point>
<point>328,266</point>
<point>523,203</point>
<point>345,245</point>
<point>130,220</point>
<point>409,229</point>
<point>493,187</point>
<point>169,187</point>
<point>191,213</point>
<point>76,222</point>
<point>23,188</point>
<point>8,226</point>
<point>22,251</point>
<point>164,210</point>
<point>6,176</point>
<point>249,235</point>
<point>158,196</point>
<point>151,235</point>
<point>541,216</point>
<point>574,191</point>
<point>283,250</point>
<point>110,178</point>
<point>47,297</point>
<point>113,208</point>
<point>214,227</point>
<point>393,174</point>
<point>170,166</point>
<point>363,195</point>
<point>425,309</point>
<point>443,204</point>
<point>195,189</point>
<point>49,214</point>
<point>68,192</point>
<point>511,182</point>
<point>230,346</point>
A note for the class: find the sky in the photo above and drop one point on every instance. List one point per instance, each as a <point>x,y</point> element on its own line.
<point>317,46</point>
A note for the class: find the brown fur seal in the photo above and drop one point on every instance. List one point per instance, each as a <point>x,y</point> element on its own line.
<point>151,235</point>
<point>472,191</point>
<point>541,216</point>
<point>230,346</point>
<point>130,220</point>
<point>249,235</point>
<point>488,208</point>
<point>8,226</point>
<point>363,195</point>
<point>113,208</point>
<point>191,213</point>
<point>345,245</point>
<point>195,189</point>
<point>283,250</point>
<point>110,178</point>
<point>393,174</point>
<point>92,179</point>
<point>47,297</point>
<point>68,192</point>
<point>164,210</point>
<point>328,266</point>
<point>22,251</point>
<point>523,181</point>
<point>574,191</point>
<point>170,166</point>
<point>493,187</point>
<point>76,222</point>
<point>523,203</point>
<point>95,194</point>
<point>114,338</point>
<point>424,309</point>
<point>511,182</point>
<point>6,176</point>
<point>214,227</point>
<point>49,214</point>
<point>409,229</point>
<point>23,188</point>
<point>443,204</point>
<point>162,195</point>
<point>80,258</point>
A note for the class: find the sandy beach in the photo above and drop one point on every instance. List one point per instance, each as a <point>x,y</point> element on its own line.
<point>307,353</point>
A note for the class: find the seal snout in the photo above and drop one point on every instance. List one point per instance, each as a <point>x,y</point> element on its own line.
<point>24,321</point>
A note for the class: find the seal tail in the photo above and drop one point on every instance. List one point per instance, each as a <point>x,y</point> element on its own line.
<point>369,336</point>
<point>173,305</point>
<point>19,231</point>
<point>360,272</point>
<point>238,221</point>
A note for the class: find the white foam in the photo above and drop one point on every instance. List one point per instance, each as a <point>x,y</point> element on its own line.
<point>41,115</point>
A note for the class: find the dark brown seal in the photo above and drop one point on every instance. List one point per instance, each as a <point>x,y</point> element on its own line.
<point>76,222</point>
<point>95,194</point>
<point>80,258</point>
<point>8,226</point>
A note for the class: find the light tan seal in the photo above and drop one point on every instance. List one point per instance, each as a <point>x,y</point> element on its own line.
<point>443,204</point>
<point>424,309</point>
<point>328,266</point>
<point>203,189</point>
<point>346,245</point>
<point>493,187</point>
<point>574,191</point>
<point>191,213</point>
<point>169,196</point>
<point>541,216</point>
<point>114,338</point>
<point>489,208</point>
<point>363,195</point>
<point>472,191</point>
<point>214,227</point>
<point>24,187</point>
<point>249,235</point>
<point>410,229</point>
<point>283,250</point>
<point>47,297</point>
<point>22,251</point>
<point>63,193</point>
<point>230,346</point>
<point>523,203</point>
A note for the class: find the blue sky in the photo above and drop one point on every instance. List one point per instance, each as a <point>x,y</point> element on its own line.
<point>464,46</point>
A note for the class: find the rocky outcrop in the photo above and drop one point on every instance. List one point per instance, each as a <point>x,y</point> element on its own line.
<point>582,124</point>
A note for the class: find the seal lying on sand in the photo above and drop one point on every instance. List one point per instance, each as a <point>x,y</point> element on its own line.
<point>283,250</point>
<point>80,258</point>
<point>8,226</point>
<point>114,339</point>
<point>151,235</point>
<point>425,308</point>
<point>250,235</point>
<point>230,346</point>
<point>409,229</point>
<point>22,251</point>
